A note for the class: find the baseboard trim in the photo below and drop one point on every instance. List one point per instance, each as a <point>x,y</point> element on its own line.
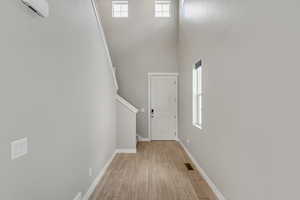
<point>126,150</point>
<point>94,184</point>
<point>98,178</point>
<point>211,184</point>
<point>143,139</point>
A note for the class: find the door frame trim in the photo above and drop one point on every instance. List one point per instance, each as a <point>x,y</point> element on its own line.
<point>150,75</point>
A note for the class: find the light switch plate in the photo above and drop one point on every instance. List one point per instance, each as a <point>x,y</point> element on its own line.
<point>19,148</point>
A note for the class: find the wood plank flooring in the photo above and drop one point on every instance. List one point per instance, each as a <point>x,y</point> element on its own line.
<point>156,172</point>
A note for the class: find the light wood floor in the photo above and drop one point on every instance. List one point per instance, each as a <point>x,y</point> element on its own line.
<point>156,172</point>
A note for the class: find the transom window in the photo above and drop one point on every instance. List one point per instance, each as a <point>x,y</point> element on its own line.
<point>197,95</point>
<point>162,8</point>
<point>119,9</point>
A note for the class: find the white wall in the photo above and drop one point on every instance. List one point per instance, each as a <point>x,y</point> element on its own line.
<point>57,90</point>
<point>140,44</point>
<point>250,138</point>
<point>126,127</point>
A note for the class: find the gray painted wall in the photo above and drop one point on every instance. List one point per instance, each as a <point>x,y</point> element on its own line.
<point>126,127</point>
<point>140,44</point>
<point>251,99</point>
<point>57,90</point>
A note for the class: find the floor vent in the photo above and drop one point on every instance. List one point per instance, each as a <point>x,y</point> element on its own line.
<point>189,166</point>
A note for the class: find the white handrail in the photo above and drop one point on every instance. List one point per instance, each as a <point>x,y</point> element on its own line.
<point>105,44</point>
<point>127,104</point>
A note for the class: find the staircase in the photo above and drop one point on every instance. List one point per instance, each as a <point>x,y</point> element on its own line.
<point>126,126</point>
<point>126,112</point>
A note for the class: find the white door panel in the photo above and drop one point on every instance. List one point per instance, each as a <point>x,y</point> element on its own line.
<point>163,104</point>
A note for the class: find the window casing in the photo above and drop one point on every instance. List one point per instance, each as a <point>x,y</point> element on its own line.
<point>162,9</point>
<point>197,97</point>
<point>120,9</point>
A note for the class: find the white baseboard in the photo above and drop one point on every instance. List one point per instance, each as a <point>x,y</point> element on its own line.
<point>98,178</point>
<point>93,186</point>
<point>143,139</point>
<point>102,172</point>
<point>126,150</point>
<point>214,188</point>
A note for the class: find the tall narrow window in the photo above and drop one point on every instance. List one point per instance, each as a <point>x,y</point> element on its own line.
<point>120,8</point>
<point>162,8</point>
<point>197,95</point>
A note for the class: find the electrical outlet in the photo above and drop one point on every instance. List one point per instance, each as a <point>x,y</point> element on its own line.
<point>90,171</point>
<point>78,196</point>
<point>19,148</point>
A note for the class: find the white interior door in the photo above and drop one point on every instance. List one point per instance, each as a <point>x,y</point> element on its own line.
<point>163,107</point>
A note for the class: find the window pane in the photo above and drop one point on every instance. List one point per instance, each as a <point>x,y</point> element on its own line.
<point>166,7</point>
<point>199,101</point>
<point>158,7</point>
<point>199,122</point>
<point>165,14</point>
<point>199,109</point>
<point>162,8</point>
<point>197,96</point>
<point>120,8</point>
<point>117,14</point>
<point>124,7</point>
<point>124,14</point>
<point>199,80</point>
